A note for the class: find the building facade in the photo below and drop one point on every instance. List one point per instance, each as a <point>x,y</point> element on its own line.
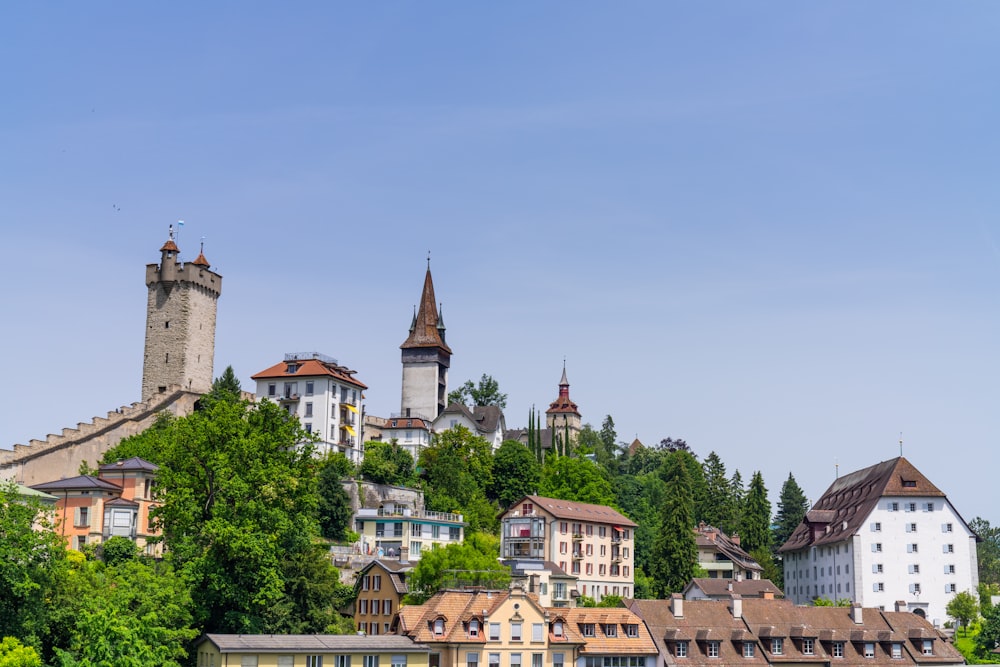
<point>411,433</point>
<point>378,593</point>
<point>721,556</point>
<point>591,542</point>
<point>325,396</point>
<point>426,358</point>
<point>395,529</point>
<point>180,323</point>
<point>90,510</point>
<point>485,421</point>
<point>878,536</point>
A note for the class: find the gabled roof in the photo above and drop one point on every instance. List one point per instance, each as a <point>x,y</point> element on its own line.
<point>455,607</point>
<point>317,643</point>
<point>395,572</point>
<point>602,643</point>
<point>843,509</point>
<point>121,502</point>
<point>485,417</point>
<point>424,331</point>
<point>708,536</point>
<point>78,483</point>
<point>305,368</point>
<point>133,464</point>
<point>721,588</point>
<point>574,511</point>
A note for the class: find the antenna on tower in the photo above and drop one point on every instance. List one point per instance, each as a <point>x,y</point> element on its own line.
<point>836,467</point>
<point>428,260</point>
<point>202,249</point>
<point>901,443</point>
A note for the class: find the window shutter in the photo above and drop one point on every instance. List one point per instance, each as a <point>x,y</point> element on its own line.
<point>76,516</point>
<point>909,550</point>
<point>909,528</point>
<point>947,588</point>
<point>875,588</point>
<point>875,568</point>
<point>944,548</point>
<point>912,589</point>
<point>874,547</point>
<point>910,568</point>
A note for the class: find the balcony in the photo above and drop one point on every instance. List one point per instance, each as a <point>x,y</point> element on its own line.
<point>407,512</point>
<point>616,539</point>
<point>347,400</point>
<point>288,398</point>
<point>577,555</point>
<point>616,558</point>
<point>577,536</point>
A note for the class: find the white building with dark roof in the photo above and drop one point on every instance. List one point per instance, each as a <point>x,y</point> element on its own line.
<point>486,421</point>
<point>883,537</point>
<point>325,396</point>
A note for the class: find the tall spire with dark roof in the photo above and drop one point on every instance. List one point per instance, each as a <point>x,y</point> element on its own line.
<point>425,331</point>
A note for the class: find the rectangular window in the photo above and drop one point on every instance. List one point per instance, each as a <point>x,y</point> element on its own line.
<point>309,388</point>
<point>713,649</point>
<point>515,660</point>
<point>897,650</point>
<point>537,659</point>
<point>877,527</point>
<point>877,547</point>
<point>632,629</point>
<point>893,507</point>
<point>946,528</point>
<point>777,645</point>
<point>272,389</point>
<point>610,630</point>
<point>339,661</point>
<point>562,527</point>
<point>314,661</point>
<point>949,548</point>
<point>493,660</point>
<point>838,649</point>
<point>453,533</point>
<point>369,661</point>
<point>808,647</point>
<point>537,630</point>
<point>927,648</point>
<point>878,587</point>
<point>869,649</point>
<point>587,629</point>
<point>515,632</point>
<point>474,628</point>
<point>681,649</point>
<point>387,607</point>
<point>949,569</point>
<point>557,659</point>
<point>398,661</point>
<point>248,661</point>
<point>929,507</point>
<point>494,632</point>
<point>286,661</point>
<point>911,548</point>
<point>911,527</point>
<point>748,649</point>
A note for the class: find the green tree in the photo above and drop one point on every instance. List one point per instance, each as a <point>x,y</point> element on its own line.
<point>387,463</point>
<point>987,550</point>
<point>15,654</point>
<point>989,633</point>
<point>237,500</point>
<point>117,550</point>
<point>963,608</point>
<point>766,560</point>
<point>487,392</point>
<point>474,561</point>
<point>516,473</point>
<point>675,557</point>
<point>737,496</point>
<point>30,561</point>
<point>608,434</point>
<point>755,529</point>
<point>792,508</point>
<point>226,387</point>
<point>577,479</point>
<point>334,509</point>
<point>718,494</point>
<point>456,469</point>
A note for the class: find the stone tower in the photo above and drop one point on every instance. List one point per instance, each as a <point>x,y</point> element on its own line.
<point>563,416</point>
<point>180,322</point>
<point>426,359</point>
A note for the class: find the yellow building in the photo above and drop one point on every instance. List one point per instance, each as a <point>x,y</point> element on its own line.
<point>215,650</point>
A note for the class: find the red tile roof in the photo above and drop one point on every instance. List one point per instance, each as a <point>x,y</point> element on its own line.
<point>309,368</point>
<point>574,511</point>
<point>425,330</point>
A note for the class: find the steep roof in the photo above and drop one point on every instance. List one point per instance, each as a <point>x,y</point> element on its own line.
<point>708,536</point>
<point>133,464</point>
<point>485,417</point>
<point>842,510</point>
<point>603,644</point>
<point>425,330</point>
<point>395,571</point>
<point>78,483</point>
<point>574,511</point>
<point>309,368</point>
<point>455,607</point>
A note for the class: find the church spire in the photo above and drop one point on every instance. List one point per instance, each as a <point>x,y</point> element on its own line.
<point>425,331</point>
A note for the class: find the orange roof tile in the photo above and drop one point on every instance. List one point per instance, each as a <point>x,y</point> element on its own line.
<point>308,368</point>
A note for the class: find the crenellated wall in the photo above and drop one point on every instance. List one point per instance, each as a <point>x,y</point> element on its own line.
<point>60,456</point>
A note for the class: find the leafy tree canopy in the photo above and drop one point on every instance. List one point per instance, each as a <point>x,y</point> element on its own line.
<point>577,479</point>
<point>963,608</point>
<point>487,392</point>
<point>15,654</point>
<point>987,550</point>
<point>474,561</point>
<point>387,463</point>
<point>516,473</point>
<point>456,470</point>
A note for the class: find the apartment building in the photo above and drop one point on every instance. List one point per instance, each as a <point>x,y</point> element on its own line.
<point>395,529</point>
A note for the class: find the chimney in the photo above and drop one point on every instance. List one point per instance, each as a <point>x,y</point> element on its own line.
<point>404,554</point>
<point>739,576</point>
<point>856,614</point>
<point>729,586</point>
<point>900,605</point>
<point>677,605</point>
<point>735,539</point>
<point>768,594</point>
<point>736,605</point>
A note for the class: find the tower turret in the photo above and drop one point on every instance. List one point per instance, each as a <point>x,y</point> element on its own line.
<point>563,416</point>
<point>180,322</point>
<point>426,359</point>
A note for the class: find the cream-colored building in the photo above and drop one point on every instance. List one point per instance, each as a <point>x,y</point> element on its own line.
<point>591,542</point>
<point>389,529</point>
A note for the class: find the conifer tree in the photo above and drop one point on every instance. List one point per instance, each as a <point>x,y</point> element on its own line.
<point>675,556</point>
<point>718,494</point>
<point>792,508</point>
<point>755,530</point>
<point>737,494</point>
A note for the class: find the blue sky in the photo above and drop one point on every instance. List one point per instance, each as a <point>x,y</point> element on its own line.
<point>767,228</point>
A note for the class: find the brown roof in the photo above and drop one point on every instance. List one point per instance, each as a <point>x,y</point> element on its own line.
<point>703,621</point>
<point>456,608</point>
<point>309,368</point>
<point>311,643</point>
<point>426,328</point>
<point>395,571</point>
<point>485,417</point>
<point>843,508</point>
<point>170,246</point>
<point>720,588</point>
<point>916,629</point>
<point>574,511</point>
<point>201,261</point>
<point>618,643</point>
<point>708,536</point>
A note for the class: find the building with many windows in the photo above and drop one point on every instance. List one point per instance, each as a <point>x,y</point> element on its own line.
<point>325,396</point>
<point>115,503</point>
<point>378,591</point>
<point>591,542</point>
<point>217,650</point>
<point>485,421</point>
<point>395,529</point>
<point>722,557</point>
<point>882,535</point>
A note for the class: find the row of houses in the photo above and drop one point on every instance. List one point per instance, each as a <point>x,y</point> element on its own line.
<point>483,628</point>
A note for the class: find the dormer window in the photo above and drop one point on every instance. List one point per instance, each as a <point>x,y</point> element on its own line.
<point>292,368</point>
<point>587,629</point>
<point>631,629</point>
<point>438,627</point>
<point>557,629</point>
<point>474,628</point>
<point>610,630</point>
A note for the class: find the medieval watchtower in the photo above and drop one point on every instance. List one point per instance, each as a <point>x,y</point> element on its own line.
<point>426,358</point>
<point>563,416</point>
<point>180,322</point>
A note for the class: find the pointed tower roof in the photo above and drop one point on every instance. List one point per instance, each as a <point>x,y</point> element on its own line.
<point>170,246</point>
<point>201,261</point>
<point>424,332</point>
<point>563,403</point>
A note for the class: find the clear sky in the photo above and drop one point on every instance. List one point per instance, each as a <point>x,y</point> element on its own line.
<point>770,229</point>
